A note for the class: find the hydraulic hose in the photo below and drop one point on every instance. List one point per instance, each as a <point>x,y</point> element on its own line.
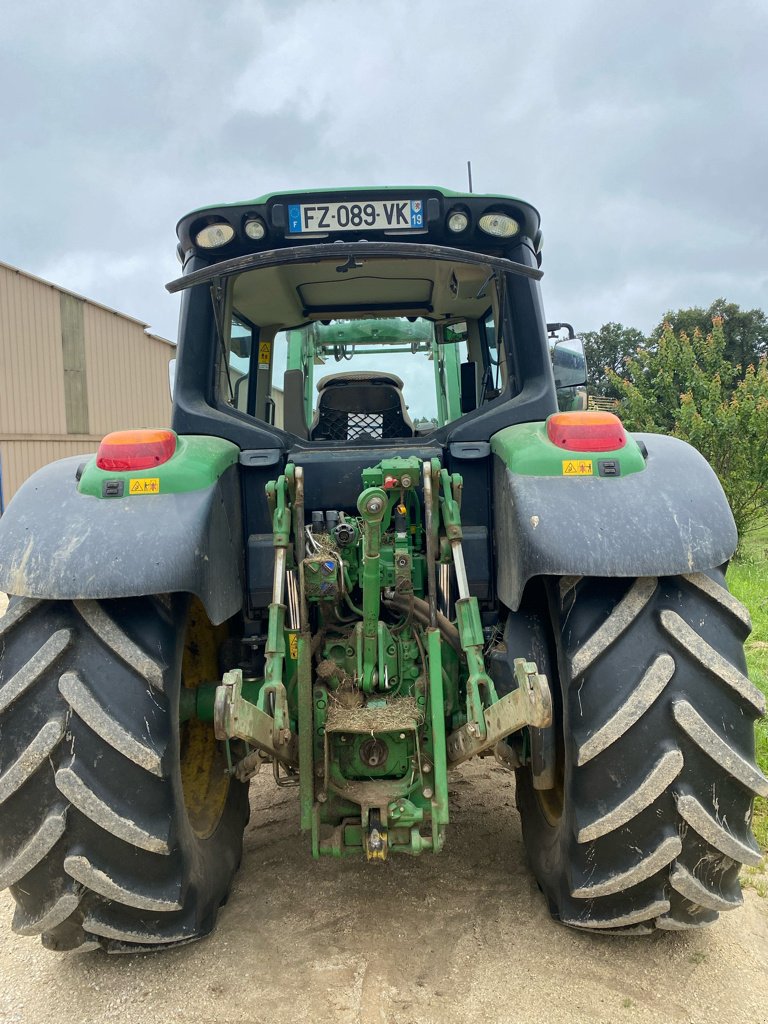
<point>421,612</point>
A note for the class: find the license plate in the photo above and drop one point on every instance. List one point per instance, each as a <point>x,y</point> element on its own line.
<point>378,215</point>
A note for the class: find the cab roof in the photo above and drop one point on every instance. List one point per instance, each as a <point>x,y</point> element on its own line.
<point>275,211</point>
<point>310,193</point>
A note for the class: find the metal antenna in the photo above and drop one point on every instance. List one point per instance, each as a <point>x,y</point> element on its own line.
<point>469,174</point>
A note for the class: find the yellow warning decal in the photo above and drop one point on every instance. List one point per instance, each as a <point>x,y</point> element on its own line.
<point>147,485</point>
<point>577,467</point>
<point>293,646</point>
<point>265,350</point>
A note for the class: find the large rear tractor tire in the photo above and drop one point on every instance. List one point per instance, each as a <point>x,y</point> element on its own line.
<point>118,825</point>
<point>650,820</point>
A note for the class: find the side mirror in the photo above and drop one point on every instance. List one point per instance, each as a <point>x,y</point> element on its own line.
<point>454,333</point>
<point>569,364</point>
<point>172,377</point>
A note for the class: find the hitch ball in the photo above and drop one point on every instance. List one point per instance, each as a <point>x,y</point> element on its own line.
<point>374,752</point>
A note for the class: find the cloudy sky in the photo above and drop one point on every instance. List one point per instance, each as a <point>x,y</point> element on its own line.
<point>639,130</point>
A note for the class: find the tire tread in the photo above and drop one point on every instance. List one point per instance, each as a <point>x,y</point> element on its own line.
<point>658,666</point>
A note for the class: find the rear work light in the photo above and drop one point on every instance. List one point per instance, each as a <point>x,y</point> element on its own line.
<point>215,235</point>
<point>586,431</point>
<point>500,225</point>
<point>458,221</point>
<point>135,449</point>
<point>255,228</point>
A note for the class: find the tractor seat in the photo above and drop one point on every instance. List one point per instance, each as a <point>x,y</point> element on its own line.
<point>359,407</point>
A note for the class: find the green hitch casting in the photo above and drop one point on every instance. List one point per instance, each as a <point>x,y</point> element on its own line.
<point>370,775</point>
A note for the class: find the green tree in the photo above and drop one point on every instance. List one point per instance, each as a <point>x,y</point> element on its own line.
<point>745,330</point>
<point>608,349</point>
<point>731,431</point>
<point>686,386</point>
<point>653,380</point>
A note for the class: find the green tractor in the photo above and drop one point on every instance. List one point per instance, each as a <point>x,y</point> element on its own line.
<point>358,584</point>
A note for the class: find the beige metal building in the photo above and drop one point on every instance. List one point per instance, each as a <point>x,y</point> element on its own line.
<point>71,371</point>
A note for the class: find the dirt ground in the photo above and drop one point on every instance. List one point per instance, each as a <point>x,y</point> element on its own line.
<point>464,936</point>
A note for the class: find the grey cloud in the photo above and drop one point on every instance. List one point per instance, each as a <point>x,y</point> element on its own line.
<point>639,131</point>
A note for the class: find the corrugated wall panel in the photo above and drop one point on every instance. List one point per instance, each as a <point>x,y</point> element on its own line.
<point>118,375</point>
<point>31,365</point>
<point>127,374</point>
<point>20,459</point>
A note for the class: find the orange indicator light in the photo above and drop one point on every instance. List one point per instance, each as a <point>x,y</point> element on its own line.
<point>586,431</point>
<point>126,450</point>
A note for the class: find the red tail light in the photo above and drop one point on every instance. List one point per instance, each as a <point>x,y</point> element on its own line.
<point>586,431</point>
<point>135,449</point>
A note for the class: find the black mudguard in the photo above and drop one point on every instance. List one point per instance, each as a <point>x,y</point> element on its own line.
<point>669,519</point>
<point>57,543</point>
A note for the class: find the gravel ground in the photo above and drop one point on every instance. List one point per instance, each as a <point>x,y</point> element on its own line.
<point>462,937</point>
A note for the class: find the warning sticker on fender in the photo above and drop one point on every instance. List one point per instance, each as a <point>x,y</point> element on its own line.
<point>577,467</point>
<point>147,485</point>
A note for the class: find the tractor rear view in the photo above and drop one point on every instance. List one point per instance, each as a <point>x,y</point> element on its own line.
<point>358,582</point>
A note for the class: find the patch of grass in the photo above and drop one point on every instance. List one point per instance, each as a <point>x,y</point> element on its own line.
<point>748,580</point>
<point>756,878</point>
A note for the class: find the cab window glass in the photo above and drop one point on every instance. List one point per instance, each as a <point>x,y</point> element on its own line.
<point>489,325</point>
<point>239,362</point>
<point>492,376</point>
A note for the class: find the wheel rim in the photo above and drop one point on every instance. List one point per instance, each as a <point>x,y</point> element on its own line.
<point>551,800</point>
<point>203,763</point>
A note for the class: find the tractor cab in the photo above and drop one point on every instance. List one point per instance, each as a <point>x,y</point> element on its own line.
<point>390,315</point>
<point>361,351</point>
